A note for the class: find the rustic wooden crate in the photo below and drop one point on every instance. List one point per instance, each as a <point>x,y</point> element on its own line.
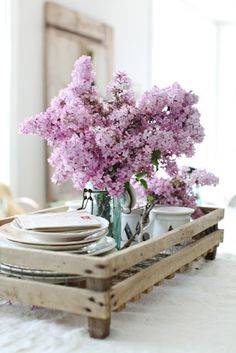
<point>112,280</point>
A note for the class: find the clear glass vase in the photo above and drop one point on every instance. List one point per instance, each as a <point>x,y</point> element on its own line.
<point>108,207</point>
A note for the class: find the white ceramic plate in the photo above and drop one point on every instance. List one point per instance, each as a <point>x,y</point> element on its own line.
<point>34,275</point>
<point>27,242</point>
<point>72,281</point>
<point>31,271</point>
<point>61,236</point>
<point>112,251</point>
<point>102,246</point>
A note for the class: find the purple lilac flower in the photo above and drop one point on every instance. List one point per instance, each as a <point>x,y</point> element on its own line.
<point>202,177</point>
<point>171,109</point>
<point>107,141</point>
<point>178,190</point>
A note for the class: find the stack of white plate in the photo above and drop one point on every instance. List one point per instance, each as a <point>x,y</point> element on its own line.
<point>40,275</point>
<point>86,242</point>
<point>89,241</point>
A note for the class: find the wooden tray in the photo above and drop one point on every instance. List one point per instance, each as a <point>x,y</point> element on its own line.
<point>113,280</point>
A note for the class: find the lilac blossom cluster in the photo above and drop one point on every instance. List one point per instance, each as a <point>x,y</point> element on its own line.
<point>199,177</point>
<point>107,141</point>
<point>178,190</point>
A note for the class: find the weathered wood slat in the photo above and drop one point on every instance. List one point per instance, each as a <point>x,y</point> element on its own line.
<point>129,257</point>
<point>53,261</point>
<point>129,288</point>
<point>67,19</point>
<point>172,275</point>
<point>148,290</point>
<point>136,298</point>
<point>120,308</point>
<point>75,300</point>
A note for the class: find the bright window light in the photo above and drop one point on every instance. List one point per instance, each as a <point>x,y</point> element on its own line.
<point>184,46</point>
<point>199,52</point>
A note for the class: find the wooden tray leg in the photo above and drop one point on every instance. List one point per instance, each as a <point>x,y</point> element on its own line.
<point>99,328</point>
<point>211,255</point>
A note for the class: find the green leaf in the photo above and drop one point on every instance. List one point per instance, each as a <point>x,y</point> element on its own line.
<point>139,175</point>
<point>155,158</point>
<point>151,199</point>
<point>144,183</point>
<point>127,186</point>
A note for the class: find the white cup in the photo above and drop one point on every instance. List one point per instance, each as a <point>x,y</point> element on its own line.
<point>164,219</point>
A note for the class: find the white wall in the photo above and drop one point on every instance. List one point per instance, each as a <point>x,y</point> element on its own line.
<point>131,22</point>
<point>27,161</point>
<point>184,50</point>
<point>226,117</point>
<point>199,52</point>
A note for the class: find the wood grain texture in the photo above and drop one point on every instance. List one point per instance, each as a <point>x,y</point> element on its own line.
<point>54,261</point>
<point>129,257</point>
<point>70,34</point>
<point>70,20</point>
<point>75,300</point>
<point>112,264</point>
<point>100,327</point>
<point>125,290</point>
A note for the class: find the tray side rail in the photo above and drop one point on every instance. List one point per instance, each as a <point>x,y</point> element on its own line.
<point>110,265</point>
<point>139,282</point>
<point>131,256</point>
<point>86,302</point>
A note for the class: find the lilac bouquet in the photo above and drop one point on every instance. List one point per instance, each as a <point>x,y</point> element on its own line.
<point>180,189</point>
<point>106,141</point>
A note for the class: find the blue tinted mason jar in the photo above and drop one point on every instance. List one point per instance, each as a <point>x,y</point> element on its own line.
<point>108,207</point>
